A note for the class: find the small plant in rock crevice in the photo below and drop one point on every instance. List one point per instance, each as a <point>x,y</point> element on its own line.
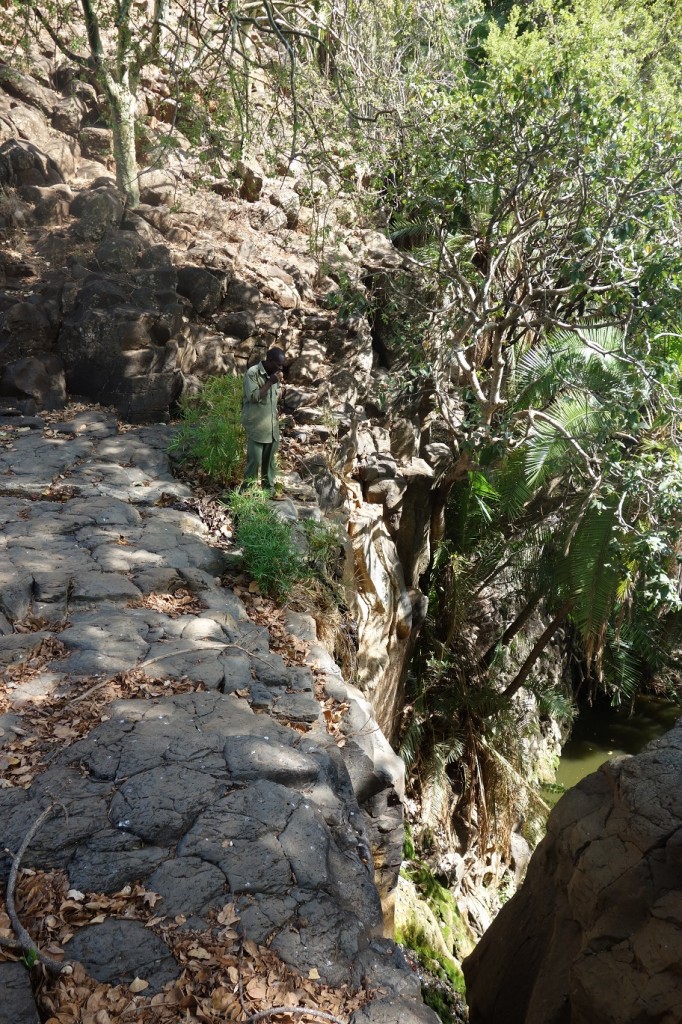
<point>324,545</point>
<point>447,1002</point>
<point>434,965</point>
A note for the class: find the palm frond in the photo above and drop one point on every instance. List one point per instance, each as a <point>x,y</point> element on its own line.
<point>586,360</point>
<point>409,234</point>
<point>590,576</point>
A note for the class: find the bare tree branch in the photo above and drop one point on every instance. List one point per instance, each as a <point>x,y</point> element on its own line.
<point>25,941</point>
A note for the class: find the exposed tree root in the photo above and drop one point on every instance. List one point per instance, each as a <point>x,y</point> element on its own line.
<point>23,940</point>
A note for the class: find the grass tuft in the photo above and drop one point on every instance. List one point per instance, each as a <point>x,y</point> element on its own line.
<point>211,434</point>
<point>270,553</point>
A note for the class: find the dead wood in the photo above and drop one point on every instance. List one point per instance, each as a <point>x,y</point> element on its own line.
<point>299,1011</point>
<point>24,940</point>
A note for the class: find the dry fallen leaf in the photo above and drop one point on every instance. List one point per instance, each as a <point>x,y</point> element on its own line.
<point>314,974</point>
<point>199,953</point>
<point>228,914</point>
<point>222,999</point>
<point>257,988</point>
<point>150,898</point>
<point>138,985</point>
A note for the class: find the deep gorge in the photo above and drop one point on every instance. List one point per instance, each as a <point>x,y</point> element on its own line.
<point>482,389</point>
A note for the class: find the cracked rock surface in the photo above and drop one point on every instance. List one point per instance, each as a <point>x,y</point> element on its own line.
<point>204,797</point>
<point>595,932</point>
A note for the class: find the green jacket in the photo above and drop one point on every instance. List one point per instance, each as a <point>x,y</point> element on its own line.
<point>259,415</point>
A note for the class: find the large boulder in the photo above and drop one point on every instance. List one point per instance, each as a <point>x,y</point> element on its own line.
<point>18,1005</point>
<point>122,356</point>
<point>120,251</point>
<point>68,115</point>
<point>39,379</point>
<point>22,163</point>
<point>96,143</point>
<point>51,203</point>
<point>204,288</point>
<point>26,89</point>
<point>98,210</point>
<point>118,339</point>
<point>25,330</point>
<point>595,932</point>
<point>31,125</point>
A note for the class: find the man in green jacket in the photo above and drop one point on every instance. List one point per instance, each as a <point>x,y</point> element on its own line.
<point>262,384</point>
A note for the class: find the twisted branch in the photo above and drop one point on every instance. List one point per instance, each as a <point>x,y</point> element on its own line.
<point>24,940</point>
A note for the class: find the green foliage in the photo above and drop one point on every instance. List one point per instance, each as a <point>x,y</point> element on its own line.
<point>211,434</point>
<point>29,959</point>
<point>408,844</point>
<point>574,513</point>
<point>436,996</point>
<point>324,543</point>
<point>349,300</point>
<point>600,444</point>
<point>535,188</point>
<point>270,552</point>
<point>439,959</point>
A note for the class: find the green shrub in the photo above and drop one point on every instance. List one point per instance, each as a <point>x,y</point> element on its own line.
<point>211,434</point>
<point>324,545</point>
<point>447,1001</point>
<point>409,851</point>
<point>270,554</point>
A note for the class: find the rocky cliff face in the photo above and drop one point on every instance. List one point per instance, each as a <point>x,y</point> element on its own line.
<point>132,308</point>
<point>595,932</point>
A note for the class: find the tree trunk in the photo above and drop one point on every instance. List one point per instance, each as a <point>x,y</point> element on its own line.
<point>512,629</point>
<point>160,23</point>
<point>116,85</point>
<point>122,104</point>
<point>540,644</point>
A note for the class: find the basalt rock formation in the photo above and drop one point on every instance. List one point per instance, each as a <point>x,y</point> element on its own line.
<point>594,934</point>
<point>132,308</point>
<point>229,790</point>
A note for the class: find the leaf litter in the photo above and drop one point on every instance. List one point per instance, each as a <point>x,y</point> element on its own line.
<point>222,976</point>
<point>56,720</point>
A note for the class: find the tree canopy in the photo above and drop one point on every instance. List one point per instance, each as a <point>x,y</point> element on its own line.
<point>536,194</point>
<point>526,160</point>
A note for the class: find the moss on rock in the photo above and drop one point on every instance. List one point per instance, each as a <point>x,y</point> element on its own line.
<point>431,937</point>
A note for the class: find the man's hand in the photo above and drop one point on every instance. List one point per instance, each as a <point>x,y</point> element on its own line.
<point>277,378</point>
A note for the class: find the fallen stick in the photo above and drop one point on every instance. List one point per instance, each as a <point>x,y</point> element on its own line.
<point>92,689</point>
<point>193,650</point>
<point>162,657</point>
<point>24,940</point>
<point>299,1011</point>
